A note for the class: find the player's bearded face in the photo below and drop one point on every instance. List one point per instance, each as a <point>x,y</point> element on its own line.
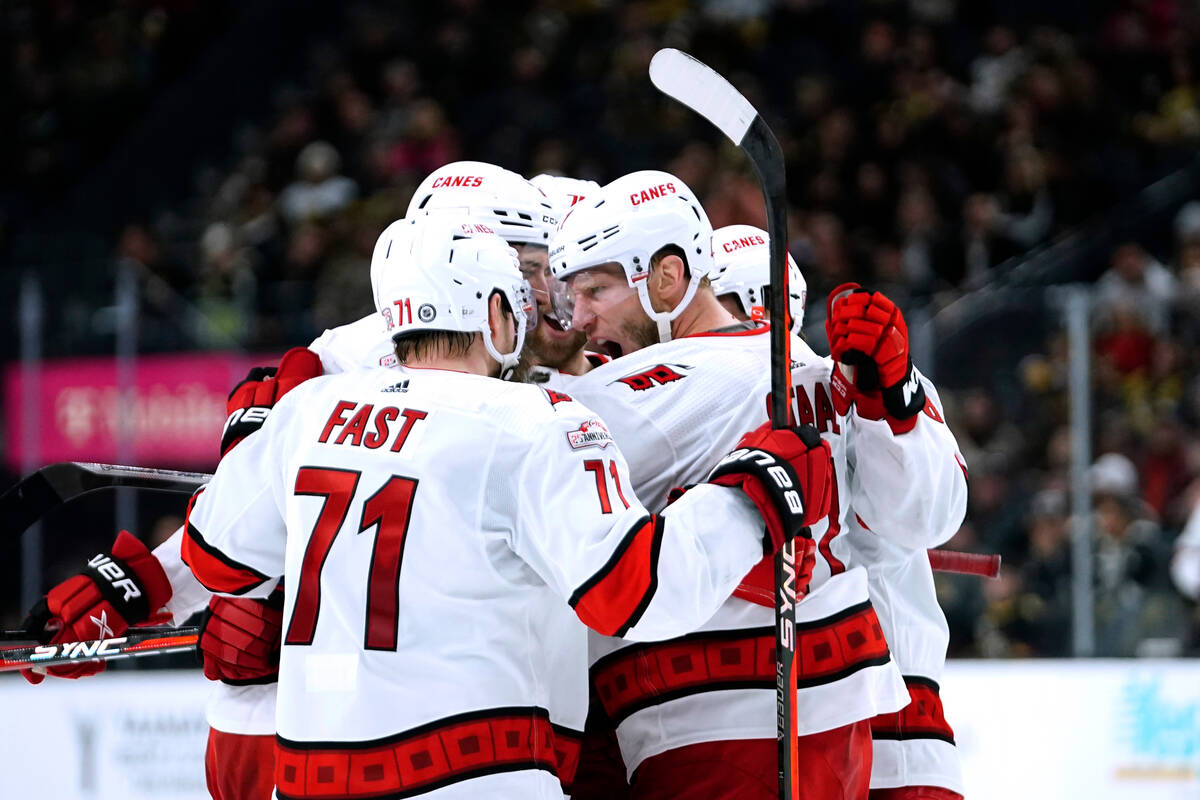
<point>608,311</point>
<point>549,344</point>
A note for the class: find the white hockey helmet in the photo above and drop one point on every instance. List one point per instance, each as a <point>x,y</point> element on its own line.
<point>627,222</point>
<point>743,268</point>
<point>564,192</point>
<point>435,272</point>
<point>489,195</point>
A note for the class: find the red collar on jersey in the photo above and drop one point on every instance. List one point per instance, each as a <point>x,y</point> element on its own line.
<point>763,327</point>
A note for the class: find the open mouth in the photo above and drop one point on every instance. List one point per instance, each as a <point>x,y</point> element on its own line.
<point>611,349</point>
<point>552,323</point>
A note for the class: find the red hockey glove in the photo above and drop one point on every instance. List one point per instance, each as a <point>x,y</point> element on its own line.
<point>240,639</point>
<point>867,332</point>
<point>114,591</point>
<point>788,475</point>
<point>252,400</point>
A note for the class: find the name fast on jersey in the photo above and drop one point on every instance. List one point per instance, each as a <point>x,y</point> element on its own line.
<point>369,427</point>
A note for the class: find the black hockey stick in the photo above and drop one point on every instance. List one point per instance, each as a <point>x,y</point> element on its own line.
<point>134,643</point>
<point>697,86</point>
<point>41,492</point>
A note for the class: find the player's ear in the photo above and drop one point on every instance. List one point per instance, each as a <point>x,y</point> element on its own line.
<point>495,314</point>
<point>501,322</point>
<point>668,279</point>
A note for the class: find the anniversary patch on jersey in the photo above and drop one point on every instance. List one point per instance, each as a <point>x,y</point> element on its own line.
<point>658,375</point>
<point>592,433</point>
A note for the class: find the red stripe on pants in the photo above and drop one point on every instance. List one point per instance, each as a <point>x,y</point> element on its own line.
<point>239,767</point>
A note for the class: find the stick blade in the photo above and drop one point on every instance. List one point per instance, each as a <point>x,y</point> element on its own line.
<point>700,88</point>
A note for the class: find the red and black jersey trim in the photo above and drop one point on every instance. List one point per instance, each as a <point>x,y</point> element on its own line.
<point>922,718</point>
<point>568,746</point>
<point>440,753</point>
<point>615,598</point>
<point>645,675</point>
<point>217,571</point>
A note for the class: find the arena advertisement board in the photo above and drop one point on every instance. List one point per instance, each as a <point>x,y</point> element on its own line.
<point>133,735</point>
<point>1042,730</point>
<point>173,410</point>
<point>1099,729</point>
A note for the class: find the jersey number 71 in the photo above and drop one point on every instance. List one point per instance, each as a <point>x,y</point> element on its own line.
<point>388,509</point>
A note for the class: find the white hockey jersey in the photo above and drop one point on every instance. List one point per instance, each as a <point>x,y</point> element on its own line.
<point>444,535</point>
<point>675,408</point>
<point>914,746</point>
<point>250,710</point>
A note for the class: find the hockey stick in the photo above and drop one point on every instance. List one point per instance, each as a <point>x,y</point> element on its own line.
<point>41,492</point>
<point>985,566</point>
<point>697,86</point>
<point>50,487</point>
<point>25,637</point>
<point>134,644</point>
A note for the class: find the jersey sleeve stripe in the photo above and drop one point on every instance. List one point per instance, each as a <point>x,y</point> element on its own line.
<point>614,599</point>
<point>217,571</point>
<point>923,718</point>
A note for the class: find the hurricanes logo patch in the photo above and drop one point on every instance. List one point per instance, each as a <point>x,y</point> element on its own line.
<point>556,397</point>
<point>591,433</point>
<point>655,376</point>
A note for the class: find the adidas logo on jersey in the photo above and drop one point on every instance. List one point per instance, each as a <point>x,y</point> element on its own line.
<point>402,386</point>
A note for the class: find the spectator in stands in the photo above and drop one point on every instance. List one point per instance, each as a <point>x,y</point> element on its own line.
<point>320,190</point>
<point>1139,284</point>
<point>1132,603</point>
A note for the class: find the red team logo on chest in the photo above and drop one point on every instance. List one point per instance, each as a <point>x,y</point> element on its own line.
<point>655,376</point>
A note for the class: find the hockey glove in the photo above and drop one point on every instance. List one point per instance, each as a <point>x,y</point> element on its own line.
<point>115,590</point>
<point>240,639</point>
<point>867,333</point>
<point>788,475</point>
<point>252,400</point>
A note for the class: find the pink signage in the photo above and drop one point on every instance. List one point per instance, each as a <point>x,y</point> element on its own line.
<point>171,416</point>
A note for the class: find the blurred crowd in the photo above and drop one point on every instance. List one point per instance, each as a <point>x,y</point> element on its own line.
<point>1144,481</point>
<point>930,144</point>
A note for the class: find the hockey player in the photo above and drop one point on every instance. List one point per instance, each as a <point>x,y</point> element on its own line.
<point>563,192</point>
<point>696,717</point>
<point>914,755</point>
<point>241,637</point>
<point>553,363</point>
<point>526,218</point>
<point>741,276</point>
<point>431,676</point>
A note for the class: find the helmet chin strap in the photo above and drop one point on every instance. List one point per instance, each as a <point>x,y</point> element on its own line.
<point>508,361</point>
<point>663,319</point>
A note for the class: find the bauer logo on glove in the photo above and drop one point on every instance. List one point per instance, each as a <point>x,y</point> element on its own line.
<point>774,469</point>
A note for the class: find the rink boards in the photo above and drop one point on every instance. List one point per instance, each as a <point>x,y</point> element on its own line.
<point>1032,729</point>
